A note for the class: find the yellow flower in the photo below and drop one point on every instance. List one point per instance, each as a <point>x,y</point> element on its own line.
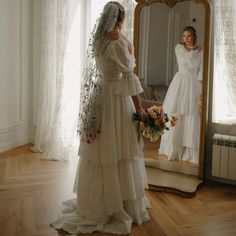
<point>153,140</point>
<point>146,134</point>
<point>153,114</point>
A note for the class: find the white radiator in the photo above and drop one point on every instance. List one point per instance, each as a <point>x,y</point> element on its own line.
<point>224,156</point>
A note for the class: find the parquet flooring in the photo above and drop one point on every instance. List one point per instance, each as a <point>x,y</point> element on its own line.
<point>31,191</point>
<point>160,161</point>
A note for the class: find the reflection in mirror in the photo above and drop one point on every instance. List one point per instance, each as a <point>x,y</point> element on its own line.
<point>170,68</point>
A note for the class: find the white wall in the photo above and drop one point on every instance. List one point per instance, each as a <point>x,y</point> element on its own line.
<point>197,13</point>
<point>15,72</point>
<point>158,43</point>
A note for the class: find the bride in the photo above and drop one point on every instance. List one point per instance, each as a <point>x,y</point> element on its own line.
<point>111,175</point>
<point>182,100</point>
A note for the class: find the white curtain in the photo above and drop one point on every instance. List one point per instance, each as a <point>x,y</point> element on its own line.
<point>64,27</point>
<point>59,66</point>
<point>128,27</point>
<point>224,84</point>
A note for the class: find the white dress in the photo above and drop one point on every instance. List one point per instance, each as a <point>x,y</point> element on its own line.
<point>182,100</point>
<point>111,175</point>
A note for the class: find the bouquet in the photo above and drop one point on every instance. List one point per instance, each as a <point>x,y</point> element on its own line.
<point>155,125</point>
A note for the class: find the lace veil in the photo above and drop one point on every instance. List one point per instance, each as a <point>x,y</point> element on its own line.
<point>91,97</point>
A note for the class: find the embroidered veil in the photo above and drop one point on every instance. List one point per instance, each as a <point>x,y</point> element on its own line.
<point>91,97</point>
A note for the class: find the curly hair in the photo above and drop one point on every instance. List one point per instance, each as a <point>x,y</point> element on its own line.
<point>192,31</point>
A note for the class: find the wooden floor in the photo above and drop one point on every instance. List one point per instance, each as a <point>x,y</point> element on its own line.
<point>160,161</point>
<point>31,191</point>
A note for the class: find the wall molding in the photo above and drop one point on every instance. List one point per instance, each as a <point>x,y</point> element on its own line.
<point>144,40</point>
<point>12,127</point>
<point>16,132</point>
<point>19,123</point>
<point>169,49</point>
<point>36,53</point>
<point>14,143</point>
<point>21,59</point>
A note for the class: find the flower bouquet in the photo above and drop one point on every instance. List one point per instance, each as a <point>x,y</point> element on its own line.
<point>155,125</point>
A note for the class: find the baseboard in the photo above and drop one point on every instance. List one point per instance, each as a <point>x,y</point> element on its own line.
<point>13,144</point>
<point>31,139</point>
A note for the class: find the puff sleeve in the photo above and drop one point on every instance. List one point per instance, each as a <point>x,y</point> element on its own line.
<point>129,84</point>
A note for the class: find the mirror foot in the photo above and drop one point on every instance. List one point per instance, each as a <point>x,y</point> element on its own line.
<point>172,182</point>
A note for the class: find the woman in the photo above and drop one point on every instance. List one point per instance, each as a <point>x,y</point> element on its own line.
<point>182,100</point>
<point>111,176</point>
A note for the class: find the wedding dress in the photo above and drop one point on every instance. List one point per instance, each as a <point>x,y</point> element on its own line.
<point>182,100</point>
<point>111,175</point>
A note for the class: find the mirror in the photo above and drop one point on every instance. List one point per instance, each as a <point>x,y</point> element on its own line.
<point>172,75</point>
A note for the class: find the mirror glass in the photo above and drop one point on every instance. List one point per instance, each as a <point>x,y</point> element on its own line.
<point>171,73</point>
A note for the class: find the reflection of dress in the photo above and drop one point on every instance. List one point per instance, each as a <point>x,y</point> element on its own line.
<point>111,176</point>
<point>182,99</point>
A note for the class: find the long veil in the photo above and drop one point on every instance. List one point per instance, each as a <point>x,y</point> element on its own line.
<point>91,97</point>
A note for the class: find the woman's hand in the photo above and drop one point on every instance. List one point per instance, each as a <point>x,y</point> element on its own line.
<point>113,35</point>
<point>142,113</point>
<point>138,107</point>
<point>199,48</point>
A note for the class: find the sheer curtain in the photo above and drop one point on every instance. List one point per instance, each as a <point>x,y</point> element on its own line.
<point>64,27</point>
<point>52,23</point>
<point>224,84</point>
<point>61,50</point>
<point>128,27</point>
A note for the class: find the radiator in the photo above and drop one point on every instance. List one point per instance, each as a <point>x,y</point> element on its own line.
<point>224,156</point>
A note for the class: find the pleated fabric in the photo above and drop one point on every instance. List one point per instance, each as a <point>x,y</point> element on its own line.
<point>111,178</point>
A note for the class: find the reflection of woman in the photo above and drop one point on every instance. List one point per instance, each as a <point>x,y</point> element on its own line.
<point>182,99</point>
<point>111,175</point>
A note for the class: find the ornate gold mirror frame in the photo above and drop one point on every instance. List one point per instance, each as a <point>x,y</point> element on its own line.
<point>206,67</point>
